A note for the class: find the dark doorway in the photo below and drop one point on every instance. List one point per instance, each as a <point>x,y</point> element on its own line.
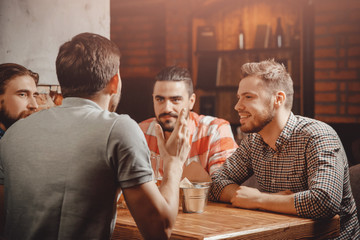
<point>136,98</point>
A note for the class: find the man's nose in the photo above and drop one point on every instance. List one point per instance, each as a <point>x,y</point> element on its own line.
<point>168,106</point>
<point>33,105</point>
<point>238,106</point>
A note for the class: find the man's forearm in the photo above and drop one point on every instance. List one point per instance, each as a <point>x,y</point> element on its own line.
<point>228,192</point>
<point>252,198</point>
<point>170,183</point>
<point>277,203</point>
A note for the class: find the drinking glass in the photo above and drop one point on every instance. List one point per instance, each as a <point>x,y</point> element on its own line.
<point>155,164</point>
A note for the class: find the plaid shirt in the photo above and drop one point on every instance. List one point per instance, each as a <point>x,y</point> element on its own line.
<point>212,140</point>
<point>309,160</point>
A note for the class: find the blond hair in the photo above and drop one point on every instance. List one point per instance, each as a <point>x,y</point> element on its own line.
<point>274,75</point>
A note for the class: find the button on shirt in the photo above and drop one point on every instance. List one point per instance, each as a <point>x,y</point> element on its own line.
<point>309,160</point>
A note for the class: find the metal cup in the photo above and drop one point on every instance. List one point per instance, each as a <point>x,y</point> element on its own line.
<point>194,199</point>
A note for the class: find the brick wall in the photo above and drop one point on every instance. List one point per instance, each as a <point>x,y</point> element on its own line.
<point>153,34</point>
<point>178,29</point>
<point>337,61</point>
<point>138,27</point>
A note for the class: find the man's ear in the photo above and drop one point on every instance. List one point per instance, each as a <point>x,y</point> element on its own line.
<point>192,101</point>
<point>280,98</point>
<point>114,84</point>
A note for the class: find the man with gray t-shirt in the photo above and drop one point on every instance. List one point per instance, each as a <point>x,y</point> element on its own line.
<point>74,159</point>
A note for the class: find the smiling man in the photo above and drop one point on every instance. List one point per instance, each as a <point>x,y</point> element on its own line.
<point>17,94</point>
<point>300,163</point>
<point>212,140</point>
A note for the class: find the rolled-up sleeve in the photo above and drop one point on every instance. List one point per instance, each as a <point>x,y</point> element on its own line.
<point>236,170</point>
<point>325,159</point>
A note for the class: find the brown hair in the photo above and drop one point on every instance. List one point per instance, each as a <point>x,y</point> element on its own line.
<point>175,73</point>
<point>8,71</point>
<point>85,65</point>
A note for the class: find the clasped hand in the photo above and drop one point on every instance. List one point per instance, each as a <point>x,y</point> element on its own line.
<point>252,198</point>
<point>246,197</point>
<point>178,143</point>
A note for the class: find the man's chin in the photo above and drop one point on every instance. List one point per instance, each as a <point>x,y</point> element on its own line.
<point>166,127</point>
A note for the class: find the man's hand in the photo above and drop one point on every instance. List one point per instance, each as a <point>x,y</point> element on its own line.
<point>155,209</point>
<point>178,143</point>
<point>246,197</point>
<point>252,198</point>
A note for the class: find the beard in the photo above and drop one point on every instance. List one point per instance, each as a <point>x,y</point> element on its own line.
<point>259,122</point>
<point>167,125</point>
<point>5,117</point>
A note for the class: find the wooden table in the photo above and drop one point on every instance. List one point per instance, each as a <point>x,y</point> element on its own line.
<point>220,221</point>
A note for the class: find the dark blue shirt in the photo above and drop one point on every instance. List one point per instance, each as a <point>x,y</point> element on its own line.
<point>2,132</point>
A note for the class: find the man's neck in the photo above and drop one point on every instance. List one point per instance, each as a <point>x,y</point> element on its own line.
<point>271,132</point>
<point>102,100</point>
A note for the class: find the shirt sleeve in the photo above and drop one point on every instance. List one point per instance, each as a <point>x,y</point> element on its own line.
<point>236,170</point>
<point>222,146</point>
<point>326,161</point>
<point>129,154</point>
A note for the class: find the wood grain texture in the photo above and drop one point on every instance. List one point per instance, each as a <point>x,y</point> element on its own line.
<point>220,221</point>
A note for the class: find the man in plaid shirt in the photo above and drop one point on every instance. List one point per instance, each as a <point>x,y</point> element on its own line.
<point>299,163</point>
<point>212,140</point>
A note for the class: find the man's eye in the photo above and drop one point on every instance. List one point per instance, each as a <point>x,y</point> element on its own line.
<point>176,100</point>
<point>22,94</point>
<point>159,99</point>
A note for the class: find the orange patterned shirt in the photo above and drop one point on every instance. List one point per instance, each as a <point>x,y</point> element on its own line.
<point>212,140</point>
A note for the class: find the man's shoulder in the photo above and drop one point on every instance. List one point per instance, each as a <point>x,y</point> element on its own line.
<point>210,120</point>
<point>147,121</point>
<point>310,126</point>
<point>147,124</point>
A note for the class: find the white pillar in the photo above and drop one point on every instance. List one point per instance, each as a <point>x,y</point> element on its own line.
<point>31,31</point>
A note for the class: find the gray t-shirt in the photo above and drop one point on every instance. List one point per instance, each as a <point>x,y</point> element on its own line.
<point>61,169</point>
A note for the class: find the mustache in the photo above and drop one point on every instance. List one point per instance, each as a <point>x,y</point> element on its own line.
<point>243,112</point>
<point>170,114</point>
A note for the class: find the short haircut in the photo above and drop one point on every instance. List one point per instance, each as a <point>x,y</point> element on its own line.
<point>175,73</point>
<point>274,75</point>
<point>85,65</point>
<point>9,71</point>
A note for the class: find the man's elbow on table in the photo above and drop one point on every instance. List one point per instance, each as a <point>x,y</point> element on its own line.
<point>316,205</point>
